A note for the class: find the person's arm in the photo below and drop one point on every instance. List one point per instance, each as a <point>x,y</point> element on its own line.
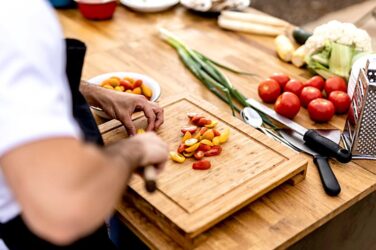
<point>121,106</point>
<point>67,188</point>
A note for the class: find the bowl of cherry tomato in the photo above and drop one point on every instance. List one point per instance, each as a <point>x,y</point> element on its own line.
<point>126,82</point>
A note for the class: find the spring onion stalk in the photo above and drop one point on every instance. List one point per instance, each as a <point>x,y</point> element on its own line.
<point>206,70</point>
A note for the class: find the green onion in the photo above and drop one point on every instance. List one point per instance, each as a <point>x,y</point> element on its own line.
<point>206,70</point>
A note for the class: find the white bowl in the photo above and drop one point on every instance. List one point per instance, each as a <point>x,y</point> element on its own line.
<point>150,82</point>
<point>149,6</point>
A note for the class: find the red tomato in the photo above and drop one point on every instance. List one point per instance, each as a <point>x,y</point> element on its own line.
<point>288,105</point>
<point>216,132</point>
<point>281,78</point>
<point>308,94</point>
<point>317,82</point>
<point>335,83</point>
<point>199,155</point>
<point>203,130</point>
<point>137,84</point>
<point>190,128</point>
<point>294,86</point>
<point>203,121</point>
<point>126,84</point>
<point>215,150</point>
<point>203,147</point>
<point>181,148</point>
<point>269,90</point>
<point>341,101</point>
<point>321,110</point>
<point>195,119</point>
<point>201,165</point>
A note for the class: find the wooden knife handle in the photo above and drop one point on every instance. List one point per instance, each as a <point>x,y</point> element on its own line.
<point>150,177</point>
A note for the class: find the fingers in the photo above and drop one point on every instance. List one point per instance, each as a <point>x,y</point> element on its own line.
<point>159,116</point>
<point>128,124</point>
<point>150,115</point>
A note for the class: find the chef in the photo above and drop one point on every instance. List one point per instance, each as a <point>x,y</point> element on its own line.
<point>57,184</point>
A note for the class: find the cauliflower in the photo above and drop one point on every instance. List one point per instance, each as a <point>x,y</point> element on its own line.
<point>334,46</point>
<point>343,33</point>
<point>215,5</point>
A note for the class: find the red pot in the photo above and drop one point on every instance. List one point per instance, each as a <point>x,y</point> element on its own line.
<point>97,10</point>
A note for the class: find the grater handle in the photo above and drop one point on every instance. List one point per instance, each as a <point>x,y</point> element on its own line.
<point>328,179</point>
<point>326,147</point>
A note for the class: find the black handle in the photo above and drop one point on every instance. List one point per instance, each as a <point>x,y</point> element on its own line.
<point>326,147</point>
<point>328,179</point>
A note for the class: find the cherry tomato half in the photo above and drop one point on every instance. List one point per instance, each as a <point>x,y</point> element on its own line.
<point>201,165</point>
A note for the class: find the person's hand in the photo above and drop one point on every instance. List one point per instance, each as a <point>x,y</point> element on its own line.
<point>151,150</point>
<point>121,106</point>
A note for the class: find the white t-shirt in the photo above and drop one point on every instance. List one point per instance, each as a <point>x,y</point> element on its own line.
<point>35,101</point>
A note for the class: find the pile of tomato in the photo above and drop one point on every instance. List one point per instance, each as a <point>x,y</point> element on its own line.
<point>200,139</point>
<point>128,85</point>
<point>321,98</point>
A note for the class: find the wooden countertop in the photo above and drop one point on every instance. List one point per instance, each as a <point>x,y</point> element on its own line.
<point>130,42</point>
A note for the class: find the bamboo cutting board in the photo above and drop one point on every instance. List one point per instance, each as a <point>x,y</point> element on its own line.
<point>188,202</point>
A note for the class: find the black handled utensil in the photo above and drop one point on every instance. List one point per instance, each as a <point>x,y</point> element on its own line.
<point>328,179</point>
<point>313,140</point>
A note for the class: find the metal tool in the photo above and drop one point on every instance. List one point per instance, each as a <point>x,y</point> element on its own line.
<point>312,139</point>
<point>328,179</point>
<point>359,132</point>
<point>253,118</point>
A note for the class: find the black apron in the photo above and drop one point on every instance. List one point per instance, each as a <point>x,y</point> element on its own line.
<point>15,233</point>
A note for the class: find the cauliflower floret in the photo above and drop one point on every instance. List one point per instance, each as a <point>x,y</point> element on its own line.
<point>343,33</point>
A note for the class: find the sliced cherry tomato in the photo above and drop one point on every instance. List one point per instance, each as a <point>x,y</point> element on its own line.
<point>215,150</point>
<point>288,105</point>
<point>199,155</point>
<point>316,82</point>
<point>269,90</point>
<point>209,135</point>
<point>195,119</point>
<point>203,121</point>
<point>201,165</point>
<point>216,132</point>
<point>281,78</point>
<point>181,148</point>
<point>186,136</point>
<point>190,129</point>
<point>203,147</point>
<point>203,130</point>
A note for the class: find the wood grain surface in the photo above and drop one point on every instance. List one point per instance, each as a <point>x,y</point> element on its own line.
<point>130,42</point>
<point>192,201</point>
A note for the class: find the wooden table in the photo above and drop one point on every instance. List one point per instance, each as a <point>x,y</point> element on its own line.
<point>130,42</point>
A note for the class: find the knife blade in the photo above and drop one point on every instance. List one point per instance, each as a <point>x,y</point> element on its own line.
<point>313,140</point>
<point>328,179</point>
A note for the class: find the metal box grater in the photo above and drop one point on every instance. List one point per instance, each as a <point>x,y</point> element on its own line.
<point>359,135</point>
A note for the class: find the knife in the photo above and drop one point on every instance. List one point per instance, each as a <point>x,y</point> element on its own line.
<point>312,139</point>
<point>328,179</point>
